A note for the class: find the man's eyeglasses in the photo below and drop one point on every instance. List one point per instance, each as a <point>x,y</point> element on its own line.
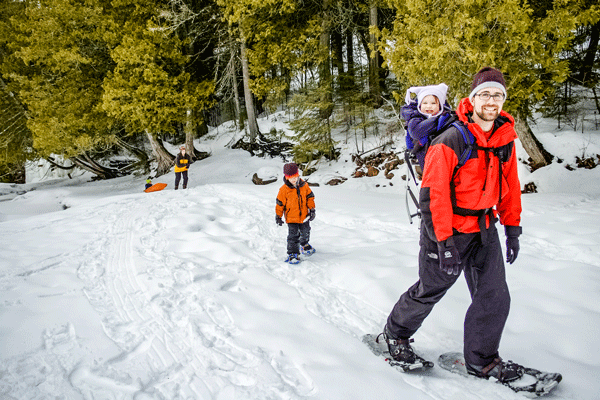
<point>485,96</point>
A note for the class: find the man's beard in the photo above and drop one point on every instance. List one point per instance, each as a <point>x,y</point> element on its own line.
<point>488,116</point>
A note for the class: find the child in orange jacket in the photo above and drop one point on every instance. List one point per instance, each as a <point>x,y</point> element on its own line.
<point>296,201</point>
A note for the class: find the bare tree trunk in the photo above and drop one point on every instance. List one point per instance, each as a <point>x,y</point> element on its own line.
<point>163,158</point>
<point>85,162</point>
<point>234,82</point>
<point>143,159</point>
<point>325,68</point>
<point>338,52</point>
<point>374,86</point>
<point>596,100</point>
<point>535,150</point>
<point>350,59</point>
<point>252,123</point>
<point>189,128</point>
<point>584,75</point>
<point>19,176</point>
<point>87,167</point>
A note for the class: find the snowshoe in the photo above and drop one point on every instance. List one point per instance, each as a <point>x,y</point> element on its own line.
<point>527,381</point>
<point>292,259</point>
<point>307,250</point>
<point>409,361</point>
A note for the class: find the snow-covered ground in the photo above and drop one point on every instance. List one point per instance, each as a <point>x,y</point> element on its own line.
<point>111,293</point>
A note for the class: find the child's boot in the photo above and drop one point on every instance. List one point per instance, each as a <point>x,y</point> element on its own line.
<point>292,259</point>
<point>307,249</point>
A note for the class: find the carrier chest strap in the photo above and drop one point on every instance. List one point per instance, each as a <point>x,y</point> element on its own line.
<point>502,153</point>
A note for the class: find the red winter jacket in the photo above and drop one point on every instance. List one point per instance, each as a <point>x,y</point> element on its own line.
<point>476,182</point>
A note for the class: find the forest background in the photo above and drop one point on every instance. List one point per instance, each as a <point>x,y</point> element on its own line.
<point>101,85</point>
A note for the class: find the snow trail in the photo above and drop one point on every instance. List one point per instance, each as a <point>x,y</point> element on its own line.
<point>192,292</point>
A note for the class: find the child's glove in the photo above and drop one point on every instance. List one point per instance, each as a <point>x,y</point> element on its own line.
<point>311,214</point>
<point>278,220</point>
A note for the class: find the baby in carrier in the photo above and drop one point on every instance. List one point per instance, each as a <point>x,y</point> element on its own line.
<point>424,116</point>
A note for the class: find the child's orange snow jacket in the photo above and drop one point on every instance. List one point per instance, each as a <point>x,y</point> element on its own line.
<point>294,202</point>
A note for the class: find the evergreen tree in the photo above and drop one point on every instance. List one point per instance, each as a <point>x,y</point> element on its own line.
<point>313,133</point>
<point>64,58</point>
<point>150,88</point>
<point>15,137</point>
<point>241,15</point>
<point>194,22</point>
<point>449,41</point>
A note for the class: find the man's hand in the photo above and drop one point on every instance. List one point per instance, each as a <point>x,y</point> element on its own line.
<point>512,242</point>
<point>278,220</point>
<point>449,257</point>
<point>312,214</point>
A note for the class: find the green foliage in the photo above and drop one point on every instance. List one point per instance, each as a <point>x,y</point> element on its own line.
<point>63,59</point>
<point>15,138</point>
<point>282,39</point>
<point>89,71</point>
<point>284,48</point>
<point>149,87</point>
<point>313,133</point>
<point>449,41</point>
<point>86,71</point>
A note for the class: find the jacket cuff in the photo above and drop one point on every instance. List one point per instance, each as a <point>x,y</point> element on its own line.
<point>443,244</point>
<point>513,231</point>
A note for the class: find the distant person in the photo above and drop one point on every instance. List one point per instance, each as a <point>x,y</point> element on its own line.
<point>182,164</point>
<point>424,116</point>
<point>458,230</point>
<point>148,183</point>
<point>296,202</point>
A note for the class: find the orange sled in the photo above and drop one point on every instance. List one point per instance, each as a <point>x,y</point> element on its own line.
<point>156,187</point>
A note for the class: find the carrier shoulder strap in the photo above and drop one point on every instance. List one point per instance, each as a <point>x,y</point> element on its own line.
<point>469,140</point>
<point>502,153</point>
<point>466,154</point>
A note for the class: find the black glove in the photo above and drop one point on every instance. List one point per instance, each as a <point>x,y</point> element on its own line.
<point>449,257</point>
<point>278,220</point>
<point>512,242</point>
<point>311,214</point>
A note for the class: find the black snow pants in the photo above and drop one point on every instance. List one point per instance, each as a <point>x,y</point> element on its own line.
<point>298,235</point>
<point>178,178</point>
<point>483,266</point>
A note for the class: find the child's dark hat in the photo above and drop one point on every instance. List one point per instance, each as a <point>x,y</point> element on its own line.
<point>290,170</point>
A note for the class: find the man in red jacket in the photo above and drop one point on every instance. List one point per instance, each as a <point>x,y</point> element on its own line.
<point>464,192</point>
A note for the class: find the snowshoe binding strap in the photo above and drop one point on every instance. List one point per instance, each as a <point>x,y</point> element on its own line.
<point>400,349</point>
<point>503,371</point>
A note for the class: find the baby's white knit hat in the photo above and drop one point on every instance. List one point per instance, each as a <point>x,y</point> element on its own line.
<point>438,91</point>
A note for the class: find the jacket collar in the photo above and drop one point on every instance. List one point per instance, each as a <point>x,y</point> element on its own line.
<point>289,184</point>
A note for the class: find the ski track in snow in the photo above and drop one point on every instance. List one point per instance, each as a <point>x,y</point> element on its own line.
<point>157,303</point>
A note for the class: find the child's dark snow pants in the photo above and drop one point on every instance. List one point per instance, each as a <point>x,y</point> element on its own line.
<point>178,178</point>
<point>298,234</point>
<point>483,266</point>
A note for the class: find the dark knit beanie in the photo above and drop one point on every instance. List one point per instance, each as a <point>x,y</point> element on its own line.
<point>487,77</point>
<point>290,170</point>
